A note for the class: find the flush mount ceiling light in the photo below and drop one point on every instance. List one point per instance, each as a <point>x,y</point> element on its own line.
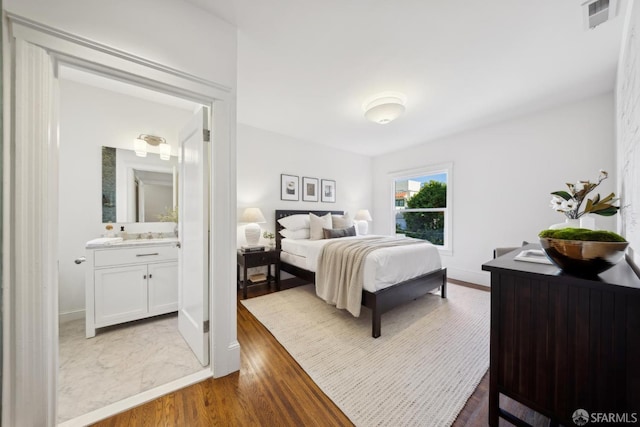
<point>385,107</point>
<point>140,145</point>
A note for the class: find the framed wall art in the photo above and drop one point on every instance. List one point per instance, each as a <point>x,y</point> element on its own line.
<point>289,187</point>
<point>309,189</point>
<point>328,191</point>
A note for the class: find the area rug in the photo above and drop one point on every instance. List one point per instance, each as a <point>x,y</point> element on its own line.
<point>431,356</point>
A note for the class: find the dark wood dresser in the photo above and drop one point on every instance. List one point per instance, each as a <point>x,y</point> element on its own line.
<point>560,343</point>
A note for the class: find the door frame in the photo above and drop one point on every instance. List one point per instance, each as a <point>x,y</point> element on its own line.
<point>30,312</point>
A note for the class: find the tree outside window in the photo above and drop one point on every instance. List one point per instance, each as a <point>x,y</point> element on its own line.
<point>421,207</point>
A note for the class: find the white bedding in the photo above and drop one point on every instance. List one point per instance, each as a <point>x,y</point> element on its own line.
<point>382,267</point>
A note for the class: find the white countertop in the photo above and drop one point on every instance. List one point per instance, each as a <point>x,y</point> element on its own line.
<point>106,243</point>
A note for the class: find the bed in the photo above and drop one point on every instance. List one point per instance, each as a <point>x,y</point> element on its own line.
<point>380,293</point>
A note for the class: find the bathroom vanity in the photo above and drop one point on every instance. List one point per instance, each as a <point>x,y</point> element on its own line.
<point>130,280</point>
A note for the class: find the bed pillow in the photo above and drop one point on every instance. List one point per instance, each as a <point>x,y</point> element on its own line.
<point>303,233</point>
<point>342,221</point>
<point>334,233</point>
<point>295,222</point>
<point>317,223</point>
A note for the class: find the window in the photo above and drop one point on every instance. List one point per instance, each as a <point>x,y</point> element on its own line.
<point>422,202</point>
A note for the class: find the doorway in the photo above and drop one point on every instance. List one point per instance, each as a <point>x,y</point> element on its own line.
<point>98,116</point>
<point>31,226</point>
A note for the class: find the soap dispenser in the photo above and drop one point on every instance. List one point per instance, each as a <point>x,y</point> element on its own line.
<point>123,233</point>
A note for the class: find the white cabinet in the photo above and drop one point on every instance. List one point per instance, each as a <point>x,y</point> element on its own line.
<point>163,287</point>
<point>120,294</point>
<point>126,283</point>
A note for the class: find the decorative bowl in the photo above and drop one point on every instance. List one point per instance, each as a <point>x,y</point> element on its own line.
<point>583,257</point>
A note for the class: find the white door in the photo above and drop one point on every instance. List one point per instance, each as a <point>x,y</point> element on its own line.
<point>193,214</point>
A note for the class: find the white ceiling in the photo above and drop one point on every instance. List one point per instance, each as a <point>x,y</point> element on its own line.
<point>305,67</point>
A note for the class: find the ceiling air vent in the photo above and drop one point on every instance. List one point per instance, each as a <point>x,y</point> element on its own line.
<point>597,12</point>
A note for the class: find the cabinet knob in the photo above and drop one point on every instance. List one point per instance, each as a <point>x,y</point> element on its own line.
<point>150,276</point>
<point>144,277</point>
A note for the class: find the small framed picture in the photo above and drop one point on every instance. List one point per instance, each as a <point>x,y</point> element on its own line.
<point>309,189</point>
<point>328,191</point>
<point>289,187</point>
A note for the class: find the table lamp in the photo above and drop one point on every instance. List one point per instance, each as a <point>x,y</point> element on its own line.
<point>252,216</point>
<point>362,216</point>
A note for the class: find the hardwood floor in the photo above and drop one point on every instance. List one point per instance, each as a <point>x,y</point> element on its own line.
<point>271,389</point>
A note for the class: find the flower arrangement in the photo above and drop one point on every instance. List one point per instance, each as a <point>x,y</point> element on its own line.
<point>170,215</point>
<point>570,202</point>
<point>270,236</point>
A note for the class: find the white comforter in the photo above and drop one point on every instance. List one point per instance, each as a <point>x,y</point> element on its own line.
<point>382,268</point>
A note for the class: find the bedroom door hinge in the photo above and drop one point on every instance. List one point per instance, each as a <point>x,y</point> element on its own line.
<point>205,326</point>
<point>206,135</point>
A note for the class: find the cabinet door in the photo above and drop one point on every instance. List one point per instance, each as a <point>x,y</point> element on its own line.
<point>163,288</point>
<point>120,294</point>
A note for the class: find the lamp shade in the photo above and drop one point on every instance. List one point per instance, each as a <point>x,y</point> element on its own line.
<point>363,215</point>
<point>140,147</point>
<point>165,151</point>
<point>252,215</point>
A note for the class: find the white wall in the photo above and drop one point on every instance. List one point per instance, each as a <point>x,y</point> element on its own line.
<point>503,176</point>
<point>171,32</point>
<point>89,119</point>
<point>264,155</point>
<point>628,131</point>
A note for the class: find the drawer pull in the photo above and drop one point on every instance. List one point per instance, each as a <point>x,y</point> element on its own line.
<point>155,253</point>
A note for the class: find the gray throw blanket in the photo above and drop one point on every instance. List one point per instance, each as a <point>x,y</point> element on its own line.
<point>340,271</point>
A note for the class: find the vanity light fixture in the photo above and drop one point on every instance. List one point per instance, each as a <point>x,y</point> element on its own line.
<point>384,107</point>
<point>140,145</point>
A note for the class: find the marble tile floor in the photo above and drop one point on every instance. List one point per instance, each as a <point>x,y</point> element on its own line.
<point>119,362</point>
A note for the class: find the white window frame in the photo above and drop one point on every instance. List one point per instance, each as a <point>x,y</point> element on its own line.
<point>447,248</point>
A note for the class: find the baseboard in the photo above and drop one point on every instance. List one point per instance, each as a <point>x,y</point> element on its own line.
<point>71,315</point>
<point>137,400</point>
<point>469,284</point>
<point>479,278</point>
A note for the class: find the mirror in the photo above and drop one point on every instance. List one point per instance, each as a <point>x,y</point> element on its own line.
<point>137,189</point>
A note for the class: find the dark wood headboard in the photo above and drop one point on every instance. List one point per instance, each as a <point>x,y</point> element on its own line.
<point>282,214</point>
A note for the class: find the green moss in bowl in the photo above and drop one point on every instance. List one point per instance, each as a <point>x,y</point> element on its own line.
<point>583,252</point>
<point>582,234</point>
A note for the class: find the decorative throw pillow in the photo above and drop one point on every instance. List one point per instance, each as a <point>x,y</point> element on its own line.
<point>342,221</point>
<point>303,233</point>
<point>334,233</point>
<point>317,224</point>
<point>295,222</point>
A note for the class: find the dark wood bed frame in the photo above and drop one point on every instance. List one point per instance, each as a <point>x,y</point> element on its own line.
<point>383,300</point>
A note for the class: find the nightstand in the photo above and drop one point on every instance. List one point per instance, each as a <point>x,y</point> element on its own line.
<point>247,260</point>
